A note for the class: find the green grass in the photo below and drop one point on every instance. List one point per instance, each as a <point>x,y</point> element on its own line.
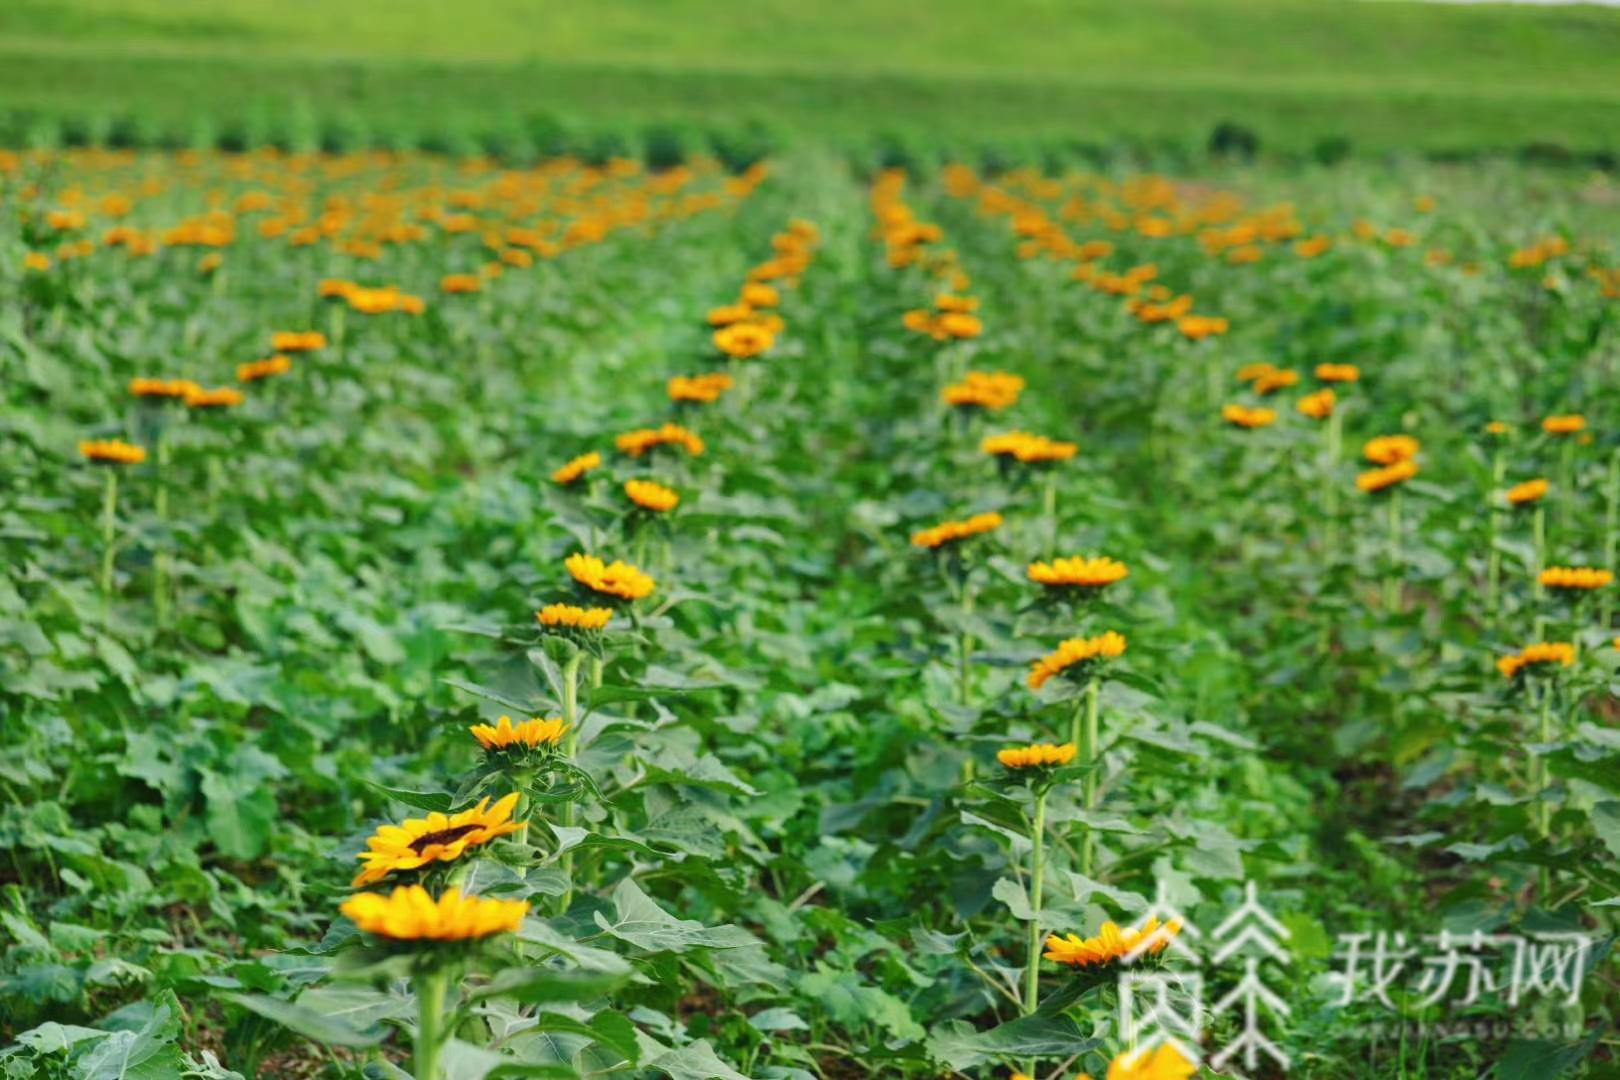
<point>1384,75</point>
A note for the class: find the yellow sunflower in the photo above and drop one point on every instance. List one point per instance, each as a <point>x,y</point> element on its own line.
<point>531,734</point>
<point>618,578</point>
<point>1533,657</point>
<point>1078,572</point>
<point>410,913</point>
<point>1037,756</point>
<point>418,842</point>
<point>569,617</point>
<point>1109,645</point>
<point>577,468</point>
<point>1113,942</point>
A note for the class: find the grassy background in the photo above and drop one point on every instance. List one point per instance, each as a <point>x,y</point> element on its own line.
<point>1384,74</point>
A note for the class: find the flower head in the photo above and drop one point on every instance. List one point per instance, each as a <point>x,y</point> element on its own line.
<point>704,389</point>
<point>618,578</point>
<point>223,398</point>
<point>636,443</point>
<point>759,295</point>
<point>577,468</point>
<point>1164,1062</point>
<point>409,913</point>
<point>744,340</point>
<point>254,370</point>
<point>1243,416</point>
<point>111,452</point>
<point>1528,492</point>
<point>984,390</point>
<point>1037,756</point>
<point>650,496</point>
<point>1575,579</point>
<point>1199,327</point>
<point>176,389</point>
<point>1375,480</point>
<point>533,734</point>
<point>1388,449</point>
<point>1337,373</point>
<point>1078,572</point>
<point>1272,381</point>
<point>1535,657</point>
<point>454,284</point>
<point>569,617</point>
<point>1564,425</point>
<point>729,314</point>
<point>958,325</point>
<point>1083,653</point>
<point>1028,449</point>
<point>1318,406</point>
<point>948,532</point>
<point>1112,943</point>
<point>419,842</point>
<point>297,341</point>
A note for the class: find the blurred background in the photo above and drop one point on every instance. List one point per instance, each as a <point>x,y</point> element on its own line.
<point>1321,79</point>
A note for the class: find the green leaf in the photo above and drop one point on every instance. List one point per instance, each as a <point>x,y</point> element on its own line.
<point>695,1062</point>
<point>538,985</point>
<point>431,801</point>
<point>958,1045</point>
<point>311,1024</point>
<point>239,819</point>
<point>646,925</point>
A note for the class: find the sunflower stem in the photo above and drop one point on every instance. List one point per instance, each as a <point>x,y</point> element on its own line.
<point>160,564</point>
<point>1049,508</point>
<point>1037,875</point>
<point>1493,557</point>
<point>1543,810</point>
<point>1538,530</point>
<point>570,709</point>
<point>1330,488</point>
<point>1611,535</point>
<point>1566,478</point>
<point>1086,740</point>
<point>109,530</point>
<point>1392,580</point>
<point>430,995</point>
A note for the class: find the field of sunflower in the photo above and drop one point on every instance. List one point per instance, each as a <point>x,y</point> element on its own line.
<point>805,620</point>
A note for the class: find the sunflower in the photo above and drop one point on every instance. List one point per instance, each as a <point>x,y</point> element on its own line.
<point>418,842</point>
<point>758,295</point>
<point>638,442</point>
<point>176,389</point>
<point>297,341</point>
<point>577,468</point>
<point>1497,429</point>
<point>1317,406</point>
<point>1272,381</point>
<point>1388,449</point>
<point>919,321</point>
<point>1575,579</point>
<point>744,340</point>
<point>1076,652</point>
<point>1534,657</point>
<point>111,452</point>
<point>1113,942</point>
<point>532,734</point>
<point>1249,373</point>
<point>1243,416</point>
<point>409,913</point>
<point>948,532</point>
<point>223,398</point>
<point>1341,373</point>
<point>454,284</point>
<point>650,496</point>
<point>1028,449</point>
<point>1078,572</point>
<point>1199,327</point>
<point>1528,492</point>
<point>1037,755</point>
<point>984,390</point>
<point>704,389</point>
<point>1164,1062</point>
<point>1564,425</point>
<point>730,314</point>
<point>254,370</point>
<point>569,617</point>
<point>1375,480</point>
<point>950,304</point>
<point>618,578</point>
<point>958,325</point>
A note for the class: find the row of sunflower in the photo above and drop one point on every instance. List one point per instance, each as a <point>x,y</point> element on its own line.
<point>1028,467</point>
